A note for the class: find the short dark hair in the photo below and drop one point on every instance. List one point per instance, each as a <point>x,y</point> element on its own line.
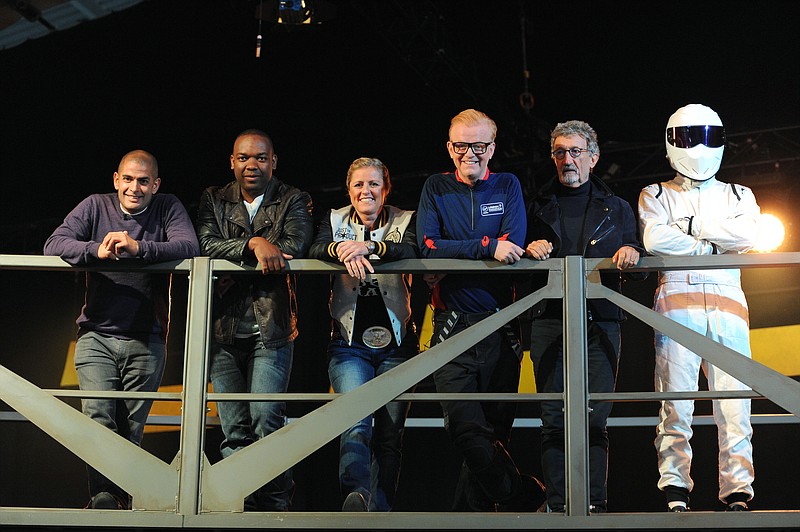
<point>256,133</point>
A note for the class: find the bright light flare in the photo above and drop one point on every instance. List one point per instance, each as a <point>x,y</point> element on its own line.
<point>770,234</point>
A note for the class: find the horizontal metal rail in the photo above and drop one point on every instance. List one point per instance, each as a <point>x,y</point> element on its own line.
<point>190,492</point>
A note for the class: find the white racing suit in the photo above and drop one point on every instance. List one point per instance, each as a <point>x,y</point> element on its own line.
<point>686,217</point>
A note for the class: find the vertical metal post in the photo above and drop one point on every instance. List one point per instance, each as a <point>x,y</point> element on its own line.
<point>576,391</point>
<point>195,388</point>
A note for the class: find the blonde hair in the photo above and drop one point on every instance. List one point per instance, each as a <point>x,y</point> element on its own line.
<point>471,117</point>
<point>370,162</point>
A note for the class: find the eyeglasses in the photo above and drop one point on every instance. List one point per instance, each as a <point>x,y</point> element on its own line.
<point>560,153</point>
<point>478,148</point>
<point>691,136</point>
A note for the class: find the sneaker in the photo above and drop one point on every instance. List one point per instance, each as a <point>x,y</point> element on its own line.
<point>355,502</point>
<point>677,498</point>
<point>105,501</point>
<point>737,502</point>
<point>738,506</point>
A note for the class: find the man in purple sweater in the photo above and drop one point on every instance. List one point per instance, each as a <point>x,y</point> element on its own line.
<point>122,329</point>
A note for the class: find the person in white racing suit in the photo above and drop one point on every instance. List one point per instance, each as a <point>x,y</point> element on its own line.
<point>694,214</point>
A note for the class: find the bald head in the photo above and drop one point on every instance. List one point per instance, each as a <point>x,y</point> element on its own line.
<point>136,180</point>
<point>141,157</point>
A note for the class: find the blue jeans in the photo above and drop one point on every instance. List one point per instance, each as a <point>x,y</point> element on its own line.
<point>249,366</point>
<point>106,363</point>
<point>548,363</point>
<point>369,459</point>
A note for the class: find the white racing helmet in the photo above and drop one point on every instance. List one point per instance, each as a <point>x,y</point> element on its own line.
<point>695,139</point>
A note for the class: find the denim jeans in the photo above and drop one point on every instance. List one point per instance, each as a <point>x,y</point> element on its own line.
<point>114,364</point>
<point>249,366</point>
<point>548,363</point>
<point>370,458</point>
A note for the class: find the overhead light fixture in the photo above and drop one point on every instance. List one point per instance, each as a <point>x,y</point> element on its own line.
<point>296,12</point>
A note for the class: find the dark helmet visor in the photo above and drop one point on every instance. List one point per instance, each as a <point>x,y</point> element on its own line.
<point>691,136</point>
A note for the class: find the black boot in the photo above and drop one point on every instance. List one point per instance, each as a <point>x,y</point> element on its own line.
<point>530,497</point>
<point>503,484</point>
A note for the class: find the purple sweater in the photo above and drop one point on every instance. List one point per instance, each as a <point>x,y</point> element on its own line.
<point>120,303</point>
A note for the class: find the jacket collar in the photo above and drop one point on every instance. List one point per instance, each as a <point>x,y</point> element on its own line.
<point>599,189</point>
<point>380,221</point>
<point>232,192</point>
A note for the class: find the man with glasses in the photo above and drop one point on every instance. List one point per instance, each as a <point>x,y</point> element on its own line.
<point>577,214</point>
<point>473,213</point>
<point>694,214</point>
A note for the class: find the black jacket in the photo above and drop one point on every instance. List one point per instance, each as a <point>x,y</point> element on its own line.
<point>223,229</point>
<point>610,224</point>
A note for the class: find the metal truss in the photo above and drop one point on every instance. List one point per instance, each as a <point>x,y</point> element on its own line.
<point>189,492</point>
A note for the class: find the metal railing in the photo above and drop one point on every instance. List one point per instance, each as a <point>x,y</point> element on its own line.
<point>191,492</point>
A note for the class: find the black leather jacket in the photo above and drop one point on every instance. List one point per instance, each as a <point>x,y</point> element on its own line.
<point>223,229</point>
<point>610,224</point>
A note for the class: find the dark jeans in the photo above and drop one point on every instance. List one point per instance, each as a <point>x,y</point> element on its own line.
<point>548,366</point>
<point>370,457</point>
<point>249,366</point>
<point>480,430</point>
<point>114,364</point>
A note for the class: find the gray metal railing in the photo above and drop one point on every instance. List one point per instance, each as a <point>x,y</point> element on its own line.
<point>191,492</point>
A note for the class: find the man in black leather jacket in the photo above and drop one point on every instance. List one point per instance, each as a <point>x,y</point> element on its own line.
<point>578,215</point>
<point>259,219</point>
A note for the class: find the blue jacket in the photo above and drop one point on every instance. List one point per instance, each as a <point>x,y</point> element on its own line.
<point>456,221</point>
<point>610,224</point>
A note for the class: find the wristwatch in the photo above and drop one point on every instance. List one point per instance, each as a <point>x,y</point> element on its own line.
<point>370,246</point>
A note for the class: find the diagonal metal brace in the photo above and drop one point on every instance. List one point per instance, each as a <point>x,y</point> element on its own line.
<point>778,388</point>
<point>228,482</point>
<point>152,483</point>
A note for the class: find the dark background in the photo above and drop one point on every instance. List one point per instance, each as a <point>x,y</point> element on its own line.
<point>383,78</point>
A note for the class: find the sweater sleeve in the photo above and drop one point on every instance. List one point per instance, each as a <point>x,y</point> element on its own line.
<point>181,239</point>
<point>72,240</point>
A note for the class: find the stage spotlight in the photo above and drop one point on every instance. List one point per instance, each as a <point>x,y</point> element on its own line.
<point>770,234</point>
<point>295,12</point>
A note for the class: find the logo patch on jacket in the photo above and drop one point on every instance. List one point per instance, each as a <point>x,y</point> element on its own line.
<point>344,233</point>
<point>492,209</point>
<point>393,236</point>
